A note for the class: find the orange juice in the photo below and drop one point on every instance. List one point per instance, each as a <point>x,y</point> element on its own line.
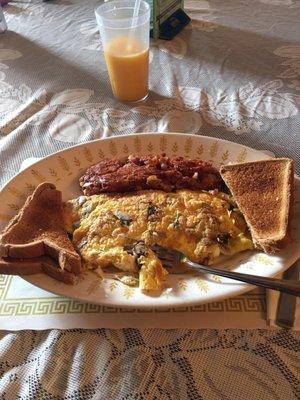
<point>127,62</point>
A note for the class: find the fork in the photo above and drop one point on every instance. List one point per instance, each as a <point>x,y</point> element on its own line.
<point>177,262</point>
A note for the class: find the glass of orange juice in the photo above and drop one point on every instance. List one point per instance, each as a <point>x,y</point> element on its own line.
<point>125,39</point>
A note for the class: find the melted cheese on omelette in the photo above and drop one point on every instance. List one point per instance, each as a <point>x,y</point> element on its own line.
<point>203,225</point>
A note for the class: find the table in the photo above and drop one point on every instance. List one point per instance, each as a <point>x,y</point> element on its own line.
<point>233,73</point>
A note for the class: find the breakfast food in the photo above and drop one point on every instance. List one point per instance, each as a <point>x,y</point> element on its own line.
<point>29,266</point>
<point>201,224</point>
<point>117,221</point>
<point>135,173</point>
<point>36,236</point>
<point>263,191</point>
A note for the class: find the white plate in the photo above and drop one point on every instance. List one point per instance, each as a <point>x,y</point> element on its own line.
<point>65,167</point>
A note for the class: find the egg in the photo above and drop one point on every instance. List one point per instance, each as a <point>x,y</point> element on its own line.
<point>201,224</point>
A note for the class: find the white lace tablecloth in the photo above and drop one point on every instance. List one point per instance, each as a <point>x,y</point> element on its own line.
<point>233,73</point>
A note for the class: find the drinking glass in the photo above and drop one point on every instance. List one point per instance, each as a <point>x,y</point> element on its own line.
<point>125,40</point>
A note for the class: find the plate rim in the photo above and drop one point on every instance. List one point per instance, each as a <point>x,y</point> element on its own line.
<point>70,148</point>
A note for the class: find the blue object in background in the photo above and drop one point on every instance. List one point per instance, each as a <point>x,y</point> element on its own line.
<point>3,26</point>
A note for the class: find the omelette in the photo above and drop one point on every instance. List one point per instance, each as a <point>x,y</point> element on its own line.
<point>201,224</point>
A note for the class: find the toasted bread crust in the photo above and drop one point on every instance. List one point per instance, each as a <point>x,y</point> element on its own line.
<point>27,250</point>
<point>15,266</point>
<point>29,266</point>
<point>38,230</point>
<point>263,191</point>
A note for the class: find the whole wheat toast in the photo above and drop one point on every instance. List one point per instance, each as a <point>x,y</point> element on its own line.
<point>38,231</point>
<point>29,266</point>
<point>263,191</point>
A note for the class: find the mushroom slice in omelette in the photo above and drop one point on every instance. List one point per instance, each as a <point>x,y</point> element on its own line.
<point>201,224</point>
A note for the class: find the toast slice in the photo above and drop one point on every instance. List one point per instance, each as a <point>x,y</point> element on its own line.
<point>263,191</point>
<point>38,231</point>
<point>29,266</point>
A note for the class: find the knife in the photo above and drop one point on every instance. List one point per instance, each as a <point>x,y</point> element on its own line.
<point>286,309</point>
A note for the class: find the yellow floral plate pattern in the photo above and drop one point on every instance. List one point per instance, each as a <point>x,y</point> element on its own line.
<point>65,167</point>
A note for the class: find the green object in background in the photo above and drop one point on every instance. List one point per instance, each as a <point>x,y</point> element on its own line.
<point>167,18</point>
